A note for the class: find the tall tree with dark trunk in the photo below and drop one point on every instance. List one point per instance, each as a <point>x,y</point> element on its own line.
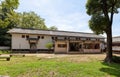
<point>6,7</point>
<point>102,12</point>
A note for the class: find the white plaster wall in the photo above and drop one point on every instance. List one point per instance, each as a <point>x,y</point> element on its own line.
<point>116,39</point>
<point>116,48</point>
<point>18,42</point>
<point>33,36</point>
<point>42,42</point>
<point>21,43</point>
<point>92,50</point>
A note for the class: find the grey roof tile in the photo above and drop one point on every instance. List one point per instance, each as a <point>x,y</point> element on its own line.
<point>53,32</point>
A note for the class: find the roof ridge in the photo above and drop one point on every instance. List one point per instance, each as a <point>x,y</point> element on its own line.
<point>116,36</point>
<point>54,30</point>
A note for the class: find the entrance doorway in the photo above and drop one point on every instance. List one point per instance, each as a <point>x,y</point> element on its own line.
<point>75,46</point>
<point>33,48</point>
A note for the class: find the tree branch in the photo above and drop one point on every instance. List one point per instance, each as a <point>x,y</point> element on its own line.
<point>105,9</point>
<point>112,13</point>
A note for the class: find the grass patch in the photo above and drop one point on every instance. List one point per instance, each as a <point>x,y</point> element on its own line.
<point>116,59</point>
<point>58,67</point>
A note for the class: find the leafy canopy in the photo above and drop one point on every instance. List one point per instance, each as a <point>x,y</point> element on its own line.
<point>97,6</point>
<point>98,24</point>
<point>30,20</point>
<point>53,28</point>
<point>7,7</point>
<point>101,12</point>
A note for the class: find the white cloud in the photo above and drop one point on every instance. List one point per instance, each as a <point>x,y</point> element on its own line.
<point>66,16</point>
<point>71,22</point>
<point>55,13</point>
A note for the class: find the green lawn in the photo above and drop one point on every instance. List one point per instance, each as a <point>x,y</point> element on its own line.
<point>71,66</point>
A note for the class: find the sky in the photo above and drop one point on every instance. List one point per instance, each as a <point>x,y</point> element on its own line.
<point>67,15</point>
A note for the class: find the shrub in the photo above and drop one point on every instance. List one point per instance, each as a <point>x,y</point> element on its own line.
<point>49,45</point>
<point>5,51</point>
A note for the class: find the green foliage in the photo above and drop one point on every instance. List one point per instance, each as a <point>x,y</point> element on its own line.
<point>30,20</point>
<point>5,52</point>
<point>93,7</point>
<point>7,8</point>
<point>14,18</point>
<point>9,18</point>
<point>57,67</point>
<point>116,59</point>
<point>98,24</point>
<point>4,23</point>
<point>49,45</point>
<point>53,28</point>
<point>101,14</point>
<point>10,5</point>
<point>97,6</point>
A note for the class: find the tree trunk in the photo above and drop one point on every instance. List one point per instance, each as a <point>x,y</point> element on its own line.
<point>109,55</point>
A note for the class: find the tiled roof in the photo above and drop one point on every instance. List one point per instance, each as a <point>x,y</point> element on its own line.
<point>53,33</point>
<point>116,39</point>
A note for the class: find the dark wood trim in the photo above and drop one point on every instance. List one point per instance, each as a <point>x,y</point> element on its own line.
<point>28,51</point>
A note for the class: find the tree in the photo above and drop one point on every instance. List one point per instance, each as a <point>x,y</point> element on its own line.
<point>102,13</point>
<point>6,7</point>
<point>53,28</point>
<point>30,20</point>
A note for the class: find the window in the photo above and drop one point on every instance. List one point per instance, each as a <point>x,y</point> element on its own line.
<point>88,38</point>
<point>65,38</point>
<point>116,44</point>
<point>23,36</point>
<point>83,38</point>
<point>97,46</point>
<point>97,39</point>
<point>91,46</point>
<point>101,39</point>
<point>52,38</point>
<point>55,38</point>
<point>27,36</point>
<point>93,39</point>
<point>77,38</point>
<point>88,46</point>
<point>61,38</point>
<point>62,45</point>
<point>42,37</point>
<point>38,37</point>
<point>72,38</point>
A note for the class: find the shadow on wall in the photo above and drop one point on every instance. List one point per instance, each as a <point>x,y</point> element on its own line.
<point>111,69</point>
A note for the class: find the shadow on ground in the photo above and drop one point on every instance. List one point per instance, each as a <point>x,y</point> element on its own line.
<point>111,69</point>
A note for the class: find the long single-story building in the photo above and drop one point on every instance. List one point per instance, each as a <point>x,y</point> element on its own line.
<point>116,44</point>
<point>34,40</point>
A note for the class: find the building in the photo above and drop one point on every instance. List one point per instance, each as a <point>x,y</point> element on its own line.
<point>116,44</point>
<point>33,40</point>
